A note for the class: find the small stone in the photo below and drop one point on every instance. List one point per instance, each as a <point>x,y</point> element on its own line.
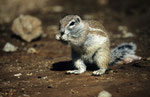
<point>104,94</point>
<point>29,74</point>
<point>45,77</point>
<point>18,75</point>
<point>31,50</point>
<point>9,47</point>
<point>27,27</point>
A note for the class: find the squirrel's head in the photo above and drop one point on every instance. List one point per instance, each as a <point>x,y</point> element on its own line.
<point>71,26</point>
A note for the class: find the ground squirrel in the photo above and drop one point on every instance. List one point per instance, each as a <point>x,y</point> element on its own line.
<point>90,44</point>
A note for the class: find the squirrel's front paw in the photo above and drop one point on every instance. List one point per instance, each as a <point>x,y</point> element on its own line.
<point>74,72</point>
<point>65,37</point>
<point>58,36</point>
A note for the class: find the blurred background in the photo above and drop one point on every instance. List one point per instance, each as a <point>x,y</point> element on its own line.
<point>132,15</point>
<point>28,49</point>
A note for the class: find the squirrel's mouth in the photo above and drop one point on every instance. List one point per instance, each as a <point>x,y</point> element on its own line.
<point>62,38</point>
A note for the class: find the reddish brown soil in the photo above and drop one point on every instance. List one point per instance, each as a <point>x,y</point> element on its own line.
<point>43,73</point>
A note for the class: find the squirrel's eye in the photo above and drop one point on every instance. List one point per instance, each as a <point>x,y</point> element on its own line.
<point>72,23</point>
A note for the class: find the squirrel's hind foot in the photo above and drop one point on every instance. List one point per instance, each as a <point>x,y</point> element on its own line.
<point>99,72</point>
<point>75,71</point>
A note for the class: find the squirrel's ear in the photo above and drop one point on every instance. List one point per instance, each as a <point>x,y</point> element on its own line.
<point>78,19</point>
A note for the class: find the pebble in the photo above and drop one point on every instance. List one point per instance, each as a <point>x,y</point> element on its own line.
<point>9,47</point>
<point>104,94</point>
<point>18,75</point>
<point>31,50</point>
<point>45,77</point>
<point>29,74</point>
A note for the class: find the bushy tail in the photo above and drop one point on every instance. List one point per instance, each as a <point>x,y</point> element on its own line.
<point>123,51</point>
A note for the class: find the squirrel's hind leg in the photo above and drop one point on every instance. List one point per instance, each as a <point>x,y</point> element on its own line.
<point>80,66</point>
<point>101,59</point>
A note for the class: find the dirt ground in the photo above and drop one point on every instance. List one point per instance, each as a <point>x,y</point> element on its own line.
<point>43,73</point>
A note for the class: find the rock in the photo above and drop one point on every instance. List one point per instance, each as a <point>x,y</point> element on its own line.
<point>31,50</point>
<point>27,27</point>
<point>9,47</point>
<point>104,94</point>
